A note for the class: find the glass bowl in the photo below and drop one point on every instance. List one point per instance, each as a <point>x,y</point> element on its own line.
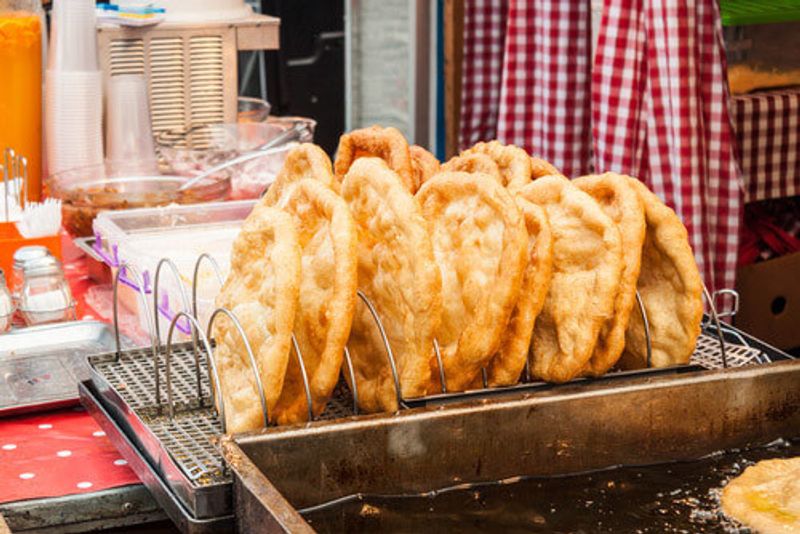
<point>87,191</point>
<point>251,109</point>
<point>190,152</point>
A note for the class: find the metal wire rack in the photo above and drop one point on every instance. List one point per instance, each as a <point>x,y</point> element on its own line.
<point>186,421</point>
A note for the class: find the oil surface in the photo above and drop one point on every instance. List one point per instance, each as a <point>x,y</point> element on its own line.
<point>677,497</point>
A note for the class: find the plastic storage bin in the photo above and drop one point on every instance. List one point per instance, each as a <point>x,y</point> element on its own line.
<point>142,237</point>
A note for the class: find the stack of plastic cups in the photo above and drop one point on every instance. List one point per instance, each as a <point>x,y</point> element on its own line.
<point>73,89</point>
<point>129,138</point>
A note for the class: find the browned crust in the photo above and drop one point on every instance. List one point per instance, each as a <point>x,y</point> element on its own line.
<point>620,201</point>
<point>513,162</point>
<point>328,281</point>
<point>304,161</point>
<point>263,283</point>
<point>475,162</point>
<point>376,141</point>
<point>507,365</point>
<point>670,287</point>
<point>424,164</point>
<point>480,244</point>
<point>541,167</point>
<point>587,264</point>
<point>766,497</point>
<point>398,273</point>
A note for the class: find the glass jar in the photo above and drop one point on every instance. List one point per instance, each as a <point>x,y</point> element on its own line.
<point>6,305</point>
<point>45,296</point>
<point>22,256</point>
<point>21,86</point>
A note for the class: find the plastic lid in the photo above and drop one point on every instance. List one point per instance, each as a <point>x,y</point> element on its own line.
<point>31,252</point>
<point>44,266</point>
<point>744,12</point>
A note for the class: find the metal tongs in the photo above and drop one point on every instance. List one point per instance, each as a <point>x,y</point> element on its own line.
<point>273,146</point>
<point>15,181</point>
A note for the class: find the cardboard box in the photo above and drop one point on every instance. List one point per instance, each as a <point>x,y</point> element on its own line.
<point>769,306</point>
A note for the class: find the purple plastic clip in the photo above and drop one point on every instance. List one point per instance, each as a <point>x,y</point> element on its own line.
<point>182,324</point>
<point>112,260</point>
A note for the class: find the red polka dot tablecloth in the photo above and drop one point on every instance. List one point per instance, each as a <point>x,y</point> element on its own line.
<point>57,453</point>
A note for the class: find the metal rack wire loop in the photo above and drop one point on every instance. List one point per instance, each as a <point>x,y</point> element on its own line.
<point>734,296</point>
<point>438,353</point>
<point>123,268</point>
<point>386,345</point>
<point>220,279</point>
<point>304,376</point>
<point>212,367</point>
<point>646,323</point>
<point>351,371</point>
<point>715,317</point>
<point>253,365</point>
<point>156,322</point>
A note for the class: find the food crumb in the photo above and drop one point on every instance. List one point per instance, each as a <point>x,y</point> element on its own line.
<point>367,510</point>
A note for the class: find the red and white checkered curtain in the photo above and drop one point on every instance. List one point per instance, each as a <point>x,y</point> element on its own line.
<point>545,94</point>
<point>660,112</point>
<point>654,104</point>
<point>482,67</point>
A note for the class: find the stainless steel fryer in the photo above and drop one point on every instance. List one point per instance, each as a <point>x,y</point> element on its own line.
<point>155,405</point>
<point>282,473</point>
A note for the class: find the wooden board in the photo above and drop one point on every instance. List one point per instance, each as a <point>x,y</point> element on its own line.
<point>453,56</point>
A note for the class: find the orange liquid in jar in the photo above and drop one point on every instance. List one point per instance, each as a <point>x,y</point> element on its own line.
<point>21,91</point>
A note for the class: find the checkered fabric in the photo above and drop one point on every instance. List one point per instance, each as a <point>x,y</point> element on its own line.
<point>660,112</point>
<point>544,101</point>
<point>484,41</point>
<point>768,133</point>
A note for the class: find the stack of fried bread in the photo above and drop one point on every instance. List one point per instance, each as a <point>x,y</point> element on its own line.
<point>495,255</point>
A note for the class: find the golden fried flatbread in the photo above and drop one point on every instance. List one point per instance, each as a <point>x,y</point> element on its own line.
<point>475,162</point>
<point>328,240</point>
<point>540,167</point>
<point>766,497</point>
<point>513,162</point>
<point>397,272</point>
<point>480,245</point>
<point>507,365</point>
<point>620,201</point>
<point>376,141</point>
<point>262,291</point>
<point>587,264</point>
<point>304,161</point>
<point>424,164</point>
<point>671,289</point>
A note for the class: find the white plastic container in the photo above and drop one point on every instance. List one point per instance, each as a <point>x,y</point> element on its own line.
<point>142,237</point>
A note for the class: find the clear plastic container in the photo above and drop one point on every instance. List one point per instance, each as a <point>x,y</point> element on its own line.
<point>141,237</point>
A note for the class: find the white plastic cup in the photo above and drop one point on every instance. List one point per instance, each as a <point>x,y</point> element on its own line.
<point>73,119</point>
<point>129,137</point>
<point>73,37</point>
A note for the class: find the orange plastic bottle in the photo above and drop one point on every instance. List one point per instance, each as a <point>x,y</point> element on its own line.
<point>21,85</point>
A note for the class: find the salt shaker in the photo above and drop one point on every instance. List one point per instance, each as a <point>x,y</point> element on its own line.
<point>6,305</point>
<point>22,256</point>
<point>45,296</point>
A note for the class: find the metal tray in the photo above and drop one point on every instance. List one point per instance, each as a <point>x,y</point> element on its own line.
<point>181,449</point>
<point>41,366</point>
<point>149,475</point>
<point>281,473</point>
